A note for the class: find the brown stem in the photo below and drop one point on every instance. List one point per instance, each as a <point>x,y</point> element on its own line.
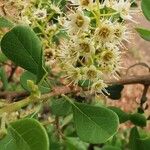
<point>144,98</point>
<point>145,80</point>
<point>14,68</point>
<point>13,96</point>
<point>17,105</point>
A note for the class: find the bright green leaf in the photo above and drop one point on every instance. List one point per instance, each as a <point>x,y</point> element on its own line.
<point>109,147</point>
<point>94,124</point>
<point>123,116</point>
<point>146,8</point>
<point>138,119</point>
<point>60,107</point>
<point>25,134</point>
<point>84,83</point>
<point>23,47</point>
<point>134,142</point>
<point>74,143</point>
<point>3,58</point>
<point>43,87</point>
<point>144,33</point>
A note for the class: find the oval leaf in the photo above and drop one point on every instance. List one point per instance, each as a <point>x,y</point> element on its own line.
<point>23,47</point>
<point>110,147</point>
<point>94,124</point>
<point>60,107</point>
<point>123,117</point>
<point>144,33</point>
<point>134,143</point>
<point>26,134</point>
<point>146,8</point>
<point>138,119</point>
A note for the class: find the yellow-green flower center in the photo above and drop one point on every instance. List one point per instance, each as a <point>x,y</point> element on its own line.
<point>104,32</point>
<point>85,2</point>
<point>107,56</point>
<point>117,33</point>
<point>85,47</point>
<point>79,21</point>
<point>92,74</point>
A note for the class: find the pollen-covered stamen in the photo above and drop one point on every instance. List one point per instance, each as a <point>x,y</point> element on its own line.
<point>118,33</point>
<point>104,32</point>
<point>85,2</point>
<point>79,21</point>
<point>48,54</point>
<point>98,86</point>
<point>85,47</point>
<point>107,56</point>
<point>74,74</point>
<point>91,73</point>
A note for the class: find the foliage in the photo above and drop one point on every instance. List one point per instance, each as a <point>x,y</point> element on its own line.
<point>67,50</point>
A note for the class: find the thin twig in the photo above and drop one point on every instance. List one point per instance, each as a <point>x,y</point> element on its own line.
<point>13,69</point>
<point>144,79</point>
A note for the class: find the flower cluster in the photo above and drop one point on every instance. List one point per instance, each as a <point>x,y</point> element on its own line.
<point>92,51</point>
<point>84,37</point>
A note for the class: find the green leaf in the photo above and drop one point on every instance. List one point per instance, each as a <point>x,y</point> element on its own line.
<point>23,47</point>
<point>3,58</point>
<point>84,83</point>
<point>94,124</point>
<point>26,134</point>
<point>145,143</point>
<point>145,8</point>
<point>144,33</point>
<point>114,91</point>
<point>123,116</point>
<point>43,87</point>
<point>60,107</point>
<point>109,147</point>
<point>134,142</point>
<point>138,119</point>
<point>4,23</point>
<point>73,143</point>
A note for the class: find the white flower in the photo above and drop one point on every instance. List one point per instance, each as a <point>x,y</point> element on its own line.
<point>123,7</point>
<point>109,3</point>
<point>55,8</point>
<point>73,74</point>
<point>85,3</point>
<point>98,87</point>
<point>40,14</point>
<point>67,52</point>
<point>120,33</point>
<point>104,32</point>
<point>78,22</point>
<point>108,59</point>
<point>91,73</point>
<point>86,47</point>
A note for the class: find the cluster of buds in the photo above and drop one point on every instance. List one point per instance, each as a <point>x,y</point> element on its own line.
<point>90,36</point>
